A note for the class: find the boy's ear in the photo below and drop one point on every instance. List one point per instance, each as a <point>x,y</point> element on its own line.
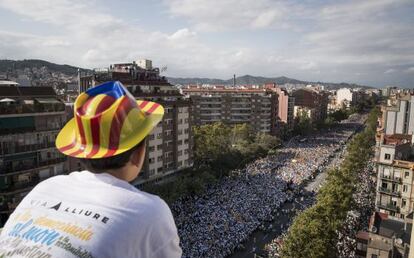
<point>138,155</point>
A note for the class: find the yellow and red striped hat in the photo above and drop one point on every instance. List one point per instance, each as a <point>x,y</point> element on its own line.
<point>108,121</point>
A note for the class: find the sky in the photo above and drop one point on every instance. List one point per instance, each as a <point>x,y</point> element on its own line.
<point>369,42</point>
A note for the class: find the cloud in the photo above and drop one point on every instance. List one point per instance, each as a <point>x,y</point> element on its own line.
<point>390,71</point>
<point>231,14</point>
<point>409,70</point>
<point>357,39</point>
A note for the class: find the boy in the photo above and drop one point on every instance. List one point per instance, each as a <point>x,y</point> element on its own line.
<point>96,212</point>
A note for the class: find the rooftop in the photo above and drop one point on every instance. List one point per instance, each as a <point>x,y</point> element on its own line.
<point>390,227</point>
<point>397,139</point>
<point>224,90</point>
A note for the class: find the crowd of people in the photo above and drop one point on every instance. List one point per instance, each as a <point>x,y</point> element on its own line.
<point>217,222</point>
<point>357,219</point>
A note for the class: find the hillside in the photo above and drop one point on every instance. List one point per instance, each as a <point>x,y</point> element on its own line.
<point>40,72</point>
<point>249,79</point>
<point>12,65</point>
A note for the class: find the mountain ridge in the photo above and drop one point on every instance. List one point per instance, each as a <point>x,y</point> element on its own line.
<point>7,65</point>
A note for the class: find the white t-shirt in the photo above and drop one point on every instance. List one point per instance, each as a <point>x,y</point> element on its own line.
<point>90,215</point>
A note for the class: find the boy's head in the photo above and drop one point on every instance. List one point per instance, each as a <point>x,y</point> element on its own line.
<point>109,129</point>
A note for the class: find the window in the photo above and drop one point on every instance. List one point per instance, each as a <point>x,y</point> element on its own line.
<point>180,142</point>
<point>374,256</point>
<point>159,147</point>
<point>405,188</point>
<point>151,160</point>
<point>159,169</point>
<point>151,137</point>
<point>159,158</point>
<point>152,172</point>
<point>407,174</point>
<point>159,135</point>
<point>387,156</point>
<point>179,153</point>
<point>151,148</point>
<point>404,202</point>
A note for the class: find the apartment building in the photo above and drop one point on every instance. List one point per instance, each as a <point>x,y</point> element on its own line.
<point>30,119</point>
<point>286,106</point>
<point>398,114</point>
<point>394,157</point>
<point>311,102</point>
<point>169,145</point>
<point>254,106</point>
<point>395,169</point>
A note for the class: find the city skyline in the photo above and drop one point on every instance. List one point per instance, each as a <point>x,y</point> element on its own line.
<point>364,42</point>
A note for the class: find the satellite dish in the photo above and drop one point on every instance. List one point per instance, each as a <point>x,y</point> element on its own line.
<point>399,241</point>
<point>374,229</point>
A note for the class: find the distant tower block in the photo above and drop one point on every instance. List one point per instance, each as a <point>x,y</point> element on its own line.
<point>145,64</point>
<point>234,80</point>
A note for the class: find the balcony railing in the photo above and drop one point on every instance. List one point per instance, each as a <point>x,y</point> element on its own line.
<point>389,191</point>
<point>4,171</point>
<point>388,206</point>
<point>20,186</point>
<point>405,164</point>
<point>23,109</point>
<point>26,148</point>
<point>390,178</point>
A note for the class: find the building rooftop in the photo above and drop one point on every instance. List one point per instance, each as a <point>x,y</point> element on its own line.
<point>384,226</point>
<point>397,139</point>
<point>222,90</point>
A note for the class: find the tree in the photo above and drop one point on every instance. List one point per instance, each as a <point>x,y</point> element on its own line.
<point>314,232</point>
<point>303,123</point>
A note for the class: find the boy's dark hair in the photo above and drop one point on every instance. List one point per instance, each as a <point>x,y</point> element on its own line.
<point>114,162</point>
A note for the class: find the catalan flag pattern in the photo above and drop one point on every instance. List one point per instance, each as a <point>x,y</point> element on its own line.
<point>107,121</point>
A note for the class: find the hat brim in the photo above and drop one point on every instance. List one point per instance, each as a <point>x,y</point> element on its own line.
<point>68,144</point>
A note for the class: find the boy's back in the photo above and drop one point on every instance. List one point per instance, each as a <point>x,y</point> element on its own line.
<point>90,215</point>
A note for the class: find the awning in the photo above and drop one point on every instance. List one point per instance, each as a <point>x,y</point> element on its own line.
<point>47,101</point>
<point>7,100</point>
<point>28,102</point>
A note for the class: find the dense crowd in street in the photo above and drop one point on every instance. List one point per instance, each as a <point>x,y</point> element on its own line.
<point>273,248</point>
<point>357,219</point>
<point>216,223</point>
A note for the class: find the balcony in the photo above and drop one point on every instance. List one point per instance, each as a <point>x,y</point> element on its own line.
<point>389,191</point>
<point>389,206</point>
<point>404,164</point>
<point>18,187</point>
<point>392,179</point>
<point>32,109</point>
<point>26,148</point>
<point>21,169</point>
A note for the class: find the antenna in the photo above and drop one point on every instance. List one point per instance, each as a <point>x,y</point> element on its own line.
<point>163,69</point>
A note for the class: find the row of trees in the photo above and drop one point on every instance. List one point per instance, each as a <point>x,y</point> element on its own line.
<point>218,149</point>
<point>303,124</point>
<point>314,232</point>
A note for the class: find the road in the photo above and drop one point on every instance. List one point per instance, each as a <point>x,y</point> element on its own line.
<point>283,218</point>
